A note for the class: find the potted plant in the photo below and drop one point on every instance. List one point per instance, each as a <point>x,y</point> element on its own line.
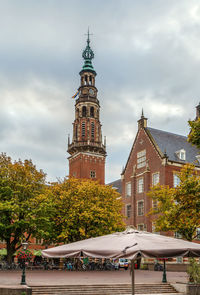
<point>24,255</point>
<point>193,286</point>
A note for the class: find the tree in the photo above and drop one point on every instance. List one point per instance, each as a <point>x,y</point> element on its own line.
<point>20,202</point>
<point>194,135</point>
<point>83,209</point>
<point>178,209</point>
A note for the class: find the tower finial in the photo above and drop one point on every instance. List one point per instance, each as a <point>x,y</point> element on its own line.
<point>88,55</point>
<point>88,39</point>
<point>142,116</point>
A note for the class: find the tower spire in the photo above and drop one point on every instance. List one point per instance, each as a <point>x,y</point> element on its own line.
<point>88,55</point>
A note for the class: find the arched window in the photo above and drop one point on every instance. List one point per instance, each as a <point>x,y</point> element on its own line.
<point>90,79</point>
<point>84,111</point>
<point>83,129</point>
<point>76,131</point>
<point>92,112</point>
<point>92,130</point>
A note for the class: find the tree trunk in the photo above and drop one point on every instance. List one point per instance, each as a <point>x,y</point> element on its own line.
<point>10,252</point>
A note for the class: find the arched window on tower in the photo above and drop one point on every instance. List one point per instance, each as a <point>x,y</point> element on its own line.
<point>92,112</point>
<point>85,79</point>
<point>83,129</point>
<point>84,111</point>
<point>92,130</point>
<point>90,80</point>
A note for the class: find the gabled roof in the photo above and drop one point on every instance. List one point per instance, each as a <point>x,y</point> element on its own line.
<point>170,143</point>
<point>117,184</point>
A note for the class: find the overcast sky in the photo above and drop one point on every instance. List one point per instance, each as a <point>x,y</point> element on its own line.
<point>147,55</point>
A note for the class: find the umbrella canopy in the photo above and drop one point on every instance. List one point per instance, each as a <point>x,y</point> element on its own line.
<point>128,244</point>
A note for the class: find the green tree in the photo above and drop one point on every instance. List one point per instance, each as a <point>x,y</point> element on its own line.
<point>21,213</point>
<point>178,209</point>
<point>194,135</point>
<point>83,209</point>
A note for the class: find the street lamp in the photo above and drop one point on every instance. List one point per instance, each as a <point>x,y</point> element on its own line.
<point>164,279</point>
<point>23,280</point>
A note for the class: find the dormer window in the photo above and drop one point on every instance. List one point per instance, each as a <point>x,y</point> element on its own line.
<point>181,154</point>
<point>198,158</point>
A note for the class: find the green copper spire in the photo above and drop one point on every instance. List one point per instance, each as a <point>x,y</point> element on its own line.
<point>88,55</point>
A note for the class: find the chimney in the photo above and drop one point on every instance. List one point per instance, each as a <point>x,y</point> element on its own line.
<point>142,123</point>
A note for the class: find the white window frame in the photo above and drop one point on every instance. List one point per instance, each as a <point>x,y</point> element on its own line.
<point>198,233</point>
<point>128,189</point>
<point>140,185</point>
<point>198,158</point>
<point>92,174</point>
<point>128,210</point>
<point>155,180</point>
<point>177,235</point>
<point>140,209</point>
<point>176,180</point>
<point>141,159</point>
<point>181,154</point>
<point>141,227</point>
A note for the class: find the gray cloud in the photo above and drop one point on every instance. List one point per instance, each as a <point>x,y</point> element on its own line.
<point>146,56</point>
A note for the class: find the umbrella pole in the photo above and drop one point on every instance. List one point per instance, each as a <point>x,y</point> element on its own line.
<point>132,277</point>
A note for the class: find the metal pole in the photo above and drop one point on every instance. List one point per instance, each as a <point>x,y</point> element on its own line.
<point>132,277</point>
<point>23,280</point>
<point>164,279</point>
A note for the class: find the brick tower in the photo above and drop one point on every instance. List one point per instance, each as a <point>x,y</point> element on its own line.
<point>87,151</point>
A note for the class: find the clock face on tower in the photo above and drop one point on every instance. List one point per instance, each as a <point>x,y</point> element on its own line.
<point>91,91</point>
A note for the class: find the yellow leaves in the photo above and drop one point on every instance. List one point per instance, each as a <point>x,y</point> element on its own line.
<point>85,208</point>
<point>178,208</point>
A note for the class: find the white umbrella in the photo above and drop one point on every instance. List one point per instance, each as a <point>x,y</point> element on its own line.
<point>128,244</point>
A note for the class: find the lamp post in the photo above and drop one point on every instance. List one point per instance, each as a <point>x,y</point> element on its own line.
<point>23,280</point>
<point>164,279</point>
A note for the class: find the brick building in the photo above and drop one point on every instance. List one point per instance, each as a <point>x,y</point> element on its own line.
<point>155,157</point>
<point>87,151</point>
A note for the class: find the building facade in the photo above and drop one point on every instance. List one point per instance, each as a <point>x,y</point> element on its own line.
<point>87,150</point>
<point>156,157</point>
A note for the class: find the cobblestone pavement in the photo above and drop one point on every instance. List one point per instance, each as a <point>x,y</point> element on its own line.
<point>56,277</point>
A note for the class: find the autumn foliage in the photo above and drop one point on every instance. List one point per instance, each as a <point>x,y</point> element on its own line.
<point>194,135</point>
<point>83,209</point>
<point>62,212</point>
<point>178,209</point>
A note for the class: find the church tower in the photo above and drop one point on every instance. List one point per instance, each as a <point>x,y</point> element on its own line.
<point>87,151</point>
